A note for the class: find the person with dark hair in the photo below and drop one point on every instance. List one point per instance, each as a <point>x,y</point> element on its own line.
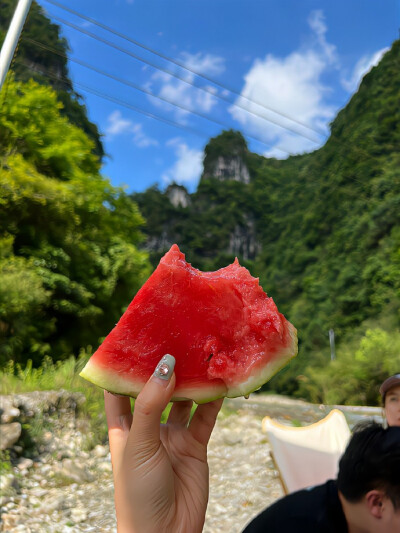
<point>161,472</point>
<point>369,477</point>
<point>390,393</point>
<point>365,498</point>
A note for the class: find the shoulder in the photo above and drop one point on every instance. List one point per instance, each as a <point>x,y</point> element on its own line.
<point>303,511</point>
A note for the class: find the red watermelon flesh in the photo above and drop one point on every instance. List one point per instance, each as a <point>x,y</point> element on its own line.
<point>225,333</point>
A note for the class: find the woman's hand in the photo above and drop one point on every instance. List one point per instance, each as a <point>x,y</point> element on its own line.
<point>160,470</point>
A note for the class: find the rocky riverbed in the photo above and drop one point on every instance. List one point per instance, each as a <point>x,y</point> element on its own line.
<point>64,488</point>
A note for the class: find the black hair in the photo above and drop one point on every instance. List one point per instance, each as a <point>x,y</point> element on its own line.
<point>371,461</point>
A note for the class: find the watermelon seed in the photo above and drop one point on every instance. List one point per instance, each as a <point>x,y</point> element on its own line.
<point>210,357</point>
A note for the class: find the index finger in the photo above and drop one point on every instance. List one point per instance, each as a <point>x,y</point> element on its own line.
<point>119,421</point>
<point>118,411</point>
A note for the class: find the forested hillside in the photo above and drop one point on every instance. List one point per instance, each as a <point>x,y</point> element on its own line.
<point>325,228</point>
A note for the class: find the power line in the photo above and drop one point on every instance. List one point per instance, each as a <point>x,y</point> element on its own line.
<point>196,132</point>
<point>116,100</point>
<point>193,82</point>
<point>171,73</point>
<point>178,63</point>
<point>169,122</point>
<point>181,65</point>
<point>142,89</point>
<point>126,82</point>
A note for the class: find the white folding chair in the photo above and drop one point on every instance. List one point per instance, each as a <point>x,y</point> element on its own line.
<point>309,455</point>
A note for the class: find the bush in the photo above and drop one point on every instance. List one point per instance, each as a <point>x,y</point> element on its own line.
<point>355,376</point>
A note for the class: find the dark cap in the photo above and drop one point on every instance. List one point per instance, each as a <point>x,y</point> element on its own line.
<point>388,384</point>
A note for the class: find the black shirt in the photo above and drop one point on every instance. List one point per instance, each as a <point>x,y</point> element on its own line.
<point>314,510</point>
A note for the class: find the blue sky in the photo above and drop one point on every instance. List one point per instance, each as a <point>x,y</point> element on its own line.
<point>278,71</point>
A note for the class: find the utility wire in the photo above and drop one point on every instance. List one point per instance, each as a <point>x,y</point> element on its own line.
<point>116,100</point>
<point>142,89</point>
<point>194,84</point>
<point>171,73</point>
<point>120,80</point>
<point>169,122</point>
<point>130,106</point>
<point>181,65</point>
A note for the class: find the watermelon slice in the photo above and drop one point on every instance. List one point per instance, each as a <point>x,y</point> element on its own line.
<point>225,333</point>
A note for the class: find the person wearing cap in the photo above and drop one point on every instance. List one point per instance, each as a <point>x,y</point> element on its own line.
<point>161,472</point>
<point>390,392</point>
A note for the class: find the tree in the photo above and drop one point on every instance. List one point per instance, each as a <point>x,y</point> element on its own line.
<point>69,238</point>
<point>42,56</point>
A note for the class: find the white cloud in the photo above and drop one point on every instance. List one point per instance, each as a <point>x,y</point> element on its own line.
<point>288,143</point>
<point>184,94</point>
<point>361,68</point>
<point>140,139</point>
<point>291,85</point>
<point>204,64</point>
<point>316,21</point>
<point>117,125</point>
<point>86,24</point>
<point>187,168</point>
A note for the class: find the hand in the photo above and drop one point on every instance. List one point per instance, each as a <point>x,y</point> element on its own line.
<point>160,471</point>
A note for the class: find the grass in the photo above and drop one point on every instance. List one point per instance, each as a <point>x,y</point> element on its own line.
<point>5,466</point>
<point>49,376</point>
<point>15,379</point>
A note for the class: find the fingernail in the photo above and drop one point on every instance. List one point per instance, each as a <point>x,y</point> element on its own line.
<point>165,367</point>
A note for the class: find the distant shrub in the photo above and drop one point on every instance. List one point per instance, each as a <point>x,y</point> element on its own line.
<point>354,377</point>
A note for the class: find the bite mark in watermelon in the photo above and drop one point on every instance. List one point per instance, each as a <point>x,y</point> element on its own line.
<point>225,333</point>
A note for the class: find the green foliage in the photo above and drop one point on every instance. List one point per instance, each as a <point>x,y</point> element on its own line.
<point>47,64</point>
<point>354,377</point>
<point>67,237</point>
<point>6,470</point>
<point>202,228</point>
<point>31,124</point>
<point>56,375</point>
<point>23,298</point>
<point>16,378</point>
<point>5,463</point>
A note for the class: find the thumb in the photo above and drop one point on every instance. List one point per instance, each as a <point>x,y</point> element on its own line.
<point>144,436</point>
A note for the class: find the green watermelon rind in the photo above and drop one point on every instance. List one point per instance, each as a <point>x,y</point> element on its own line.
<point>130,387</point>
<point>118,384</point>
<point>263,374</point>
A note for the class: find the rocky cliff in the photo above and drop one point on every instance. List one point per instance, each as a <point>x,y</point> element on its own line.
<point>229,168</point>
<point>175,216</point>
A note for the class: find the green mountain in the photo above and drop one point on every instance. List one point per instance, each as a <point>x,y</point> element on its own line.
<point>321,230</point>
<point>42,55</point>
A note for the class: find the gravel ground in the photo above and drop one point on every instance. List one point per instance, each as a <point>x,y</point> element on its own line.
<point>67,490</point>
